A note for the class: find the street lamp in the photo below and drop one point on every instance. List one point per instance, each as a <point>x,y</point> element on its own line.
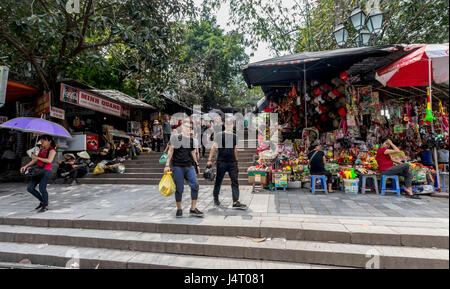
<point>341,34</point>
<point>358,20</point>
<point>365,37</point>
<point>375,21</point>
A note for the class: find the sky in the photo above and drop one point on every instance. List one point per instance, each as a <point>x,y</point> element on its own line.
<point>223,17</point>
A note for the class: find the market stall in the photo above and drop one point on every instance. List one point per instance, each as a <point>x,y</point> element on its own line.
<point>350,112</point>
<point>98,116</point>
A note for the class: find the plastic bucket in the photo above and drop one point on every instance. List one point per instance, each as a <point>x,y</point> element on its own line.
<point>351,186</point>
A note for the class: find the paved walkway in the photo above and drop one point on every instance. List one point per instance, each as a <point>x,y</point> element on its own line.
<point>145,201</point>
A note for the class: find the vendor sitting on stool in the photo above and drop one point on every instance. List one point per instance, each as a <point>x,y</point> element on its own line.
<point>318,161</point>
<point>426,157</point>
<point>386,165</point>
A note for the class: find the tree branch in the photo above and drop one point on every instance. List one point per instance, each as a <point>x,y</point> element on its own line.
<point>28,55</point>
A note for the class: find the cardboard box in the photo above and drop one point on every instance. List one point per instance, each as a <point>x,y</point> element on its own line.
<point>258,178</point>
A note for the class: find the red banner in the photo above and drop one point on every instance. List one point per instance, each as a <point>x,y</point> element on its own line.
<point>42,105</point>
<point>87,100</point>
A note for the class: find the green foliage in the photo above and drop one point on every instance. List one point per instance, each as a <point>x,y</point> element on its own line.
<point>308,25</point>
<point>45,42</point>
<point>210,64</point>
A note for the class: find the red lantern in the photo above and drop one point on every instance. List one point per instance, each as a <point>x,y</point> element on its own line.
<point>341,112</point>
<point>344,76</point>
<point>317,91</point>
<point>336,92</point>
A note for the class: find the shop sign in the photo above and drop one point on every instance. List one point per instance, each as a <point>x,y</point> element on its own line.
<point>3,119</point>
<point>42,105</point>
<point>92,142</point>
<point>81,98</point>
<point>69,94</point>
<point>3,83</point>
<point>57,113</point>
<point>96,103</point>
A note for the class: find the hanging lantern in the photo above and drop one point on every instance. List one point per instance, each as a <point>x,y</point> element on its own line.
<point>344,76</point>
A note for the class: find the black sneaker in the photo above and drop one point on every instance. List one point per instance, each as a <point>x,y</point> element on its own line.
<point>196,213</point>
<point>216,202</point>
<point>40,206</point>
<point>239,206</point>
<point>43,209</point>
<point>179,214</point>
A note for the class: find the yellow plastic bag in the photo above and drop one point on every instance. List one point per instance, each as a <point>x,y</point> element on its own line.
<point>99,169</point>
<point>167,185</point>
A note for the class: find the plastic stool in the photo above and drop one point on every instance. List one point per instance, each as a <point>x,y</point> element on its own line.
<point>375,182</point>
<point>323,181</point>
<point>396,187</point>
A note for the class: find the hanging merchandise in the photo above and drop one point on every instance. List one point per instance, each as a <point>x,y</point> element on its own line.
<point>429,118</point>
<point>398,128</point>
<point>444,118</point>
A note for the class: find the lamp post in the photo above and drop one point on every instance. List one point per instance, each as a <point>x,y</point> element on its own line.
<point>359,20</point>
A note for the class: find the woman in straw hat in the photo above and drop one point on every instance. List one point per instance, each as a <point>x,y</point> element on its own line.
<point>65,165</point>
<point>80,167</point>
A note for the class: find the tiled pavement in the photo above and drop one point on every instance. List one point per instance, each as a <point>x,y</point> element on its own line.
<point>138,200</point>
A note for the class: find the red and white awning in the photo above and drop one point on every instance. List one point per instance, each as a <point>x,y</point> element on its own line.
<point>412,69</point>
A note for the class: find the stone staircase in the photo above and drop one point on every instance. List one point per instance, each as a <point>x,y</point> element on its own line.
<point>190,244</point>
<point>146,170</point>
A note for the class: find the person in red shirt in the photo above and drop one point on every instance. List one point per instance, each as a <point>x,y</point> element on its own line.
<point>386,165</point>
<point>44,159</point>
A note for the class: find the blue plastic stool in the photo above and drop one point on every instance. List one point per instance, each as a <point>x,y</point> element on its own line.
<point>323,181</point>
<point>395,188</point>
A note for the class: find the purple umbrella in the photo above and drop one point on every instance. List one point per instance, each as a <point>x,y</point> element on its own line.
<point>36,125</point>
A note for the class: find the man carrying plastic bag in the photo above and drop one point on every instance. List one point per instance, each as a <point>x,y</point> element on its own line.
<point>166,185</point>
<point>181,158</point>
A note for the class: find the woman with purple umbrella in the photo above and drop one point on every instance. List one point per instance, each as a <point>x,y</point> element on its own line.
<point>44,159</point>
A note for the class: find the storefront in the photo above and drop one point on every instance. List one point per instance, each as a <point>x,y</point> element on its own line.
<point>341,105</point>
<point>19,101</point>
<point>95,116</point>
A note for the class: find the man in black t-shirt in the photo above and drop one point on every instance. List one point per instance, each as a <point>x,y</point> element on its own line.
<point>226,144</point>
<point>181,157</point>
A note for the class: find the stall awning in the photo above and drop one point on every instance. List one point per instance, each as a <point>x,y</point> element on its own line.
<point>16,90</point>
<point>318,65</point>
<point>121,98</point>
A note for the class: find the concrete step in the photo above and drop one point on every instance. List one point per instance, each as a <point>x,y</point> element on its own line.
<point>147,181</point>
<point>144,175</point>
<point>317,231</point>
<point>334,254</point>
<point>242,169</point>
<point>7,265</point>
<point>92,258</point>
<point>156,158</point>
<point>148,165</point>
<point>201,162</point>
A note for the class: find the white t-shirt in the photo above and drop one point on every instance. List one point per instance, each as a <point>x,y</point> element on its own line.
<point>443,156</point>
